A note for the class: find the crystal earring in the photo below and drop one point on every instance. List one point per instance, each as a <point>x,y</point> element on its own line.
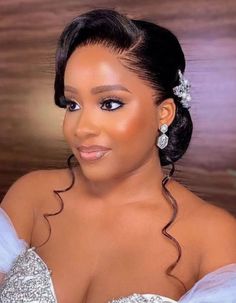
<point>163,139</point>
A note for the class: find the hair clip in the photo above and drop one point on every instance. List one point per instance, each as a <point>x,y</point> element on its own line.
<point>182,90</point>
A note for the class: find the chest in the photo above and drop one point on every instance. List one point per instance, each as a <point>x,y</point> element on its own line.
<point>95,257</point>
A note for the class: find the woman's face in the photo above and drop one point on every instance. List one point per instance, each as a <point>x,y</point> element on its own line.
<point>112,107</point>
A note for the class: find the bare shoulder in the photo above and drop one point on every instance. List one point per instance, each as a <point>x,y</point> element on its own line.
<point>212,227</point>
<point>32,184</point>
<point>26,193</point>
<point>218,228</point>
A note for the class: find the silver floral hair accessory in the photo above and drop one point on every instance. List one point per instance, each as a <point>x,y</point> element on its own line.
<point>182,90</point>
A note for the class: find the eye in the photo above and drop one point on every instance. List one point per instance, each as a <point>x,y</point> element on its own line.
<point>71,105</point>
<point>108,104</point>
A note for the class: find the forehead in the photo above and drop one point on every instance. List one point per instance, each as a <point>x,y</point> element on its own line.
<point>94,65</point>
<point>89,60</point>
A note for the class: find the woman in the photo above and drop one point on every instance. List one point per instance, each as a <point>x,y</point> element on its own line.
<point>121,231</point>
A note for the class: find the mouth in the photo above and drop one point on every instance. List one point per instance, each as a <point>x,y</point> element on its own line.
<point>92,156</point>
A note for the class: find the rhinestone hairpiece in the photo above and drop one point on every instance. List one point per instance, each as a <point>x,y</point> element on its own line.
<point>182,90</point>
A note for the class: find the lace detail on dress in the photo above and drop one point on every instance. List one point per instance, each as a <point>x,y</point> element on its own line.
<point>28,280</point>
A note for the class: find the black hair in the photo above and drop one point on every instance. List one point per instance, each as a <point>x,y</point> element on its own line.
<point>150,50</point>
<point>155,55</point>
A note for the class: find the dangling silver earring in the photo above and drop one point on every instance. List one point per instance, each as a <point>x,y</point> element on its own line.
<point>162,140</point>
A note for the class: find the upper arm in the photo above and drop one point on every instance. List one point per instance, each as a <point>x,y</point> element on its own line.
<point>20,201</point>
<point>218,239</point>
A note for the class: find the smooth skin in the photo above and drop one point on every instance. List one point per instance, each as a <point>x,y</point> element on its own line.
<point>107,242</point>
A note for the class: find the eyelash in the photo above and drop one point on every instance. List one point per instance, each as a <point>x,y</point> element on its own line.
<point>110,99</point>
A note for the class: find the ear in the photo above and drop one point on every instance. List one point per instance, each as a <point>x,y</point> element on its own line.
<point>166,112</point>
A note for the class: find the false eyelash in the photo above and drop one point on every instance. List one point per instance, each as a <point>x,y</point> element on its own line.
<point>111,98</point>
<point>66,101</point>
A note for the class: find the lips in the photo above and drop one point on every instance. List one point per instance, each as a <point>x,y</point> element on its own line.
<point>92,148</point>
<point>93,152</point>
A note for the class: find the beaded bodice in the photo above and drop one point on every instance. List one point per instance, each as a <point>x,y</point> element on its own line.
<point>142,298</point>
<point>29,280</point>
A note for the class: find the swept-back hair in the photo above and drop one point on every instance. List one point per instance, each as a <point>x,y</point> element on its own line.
<point>151,51</point>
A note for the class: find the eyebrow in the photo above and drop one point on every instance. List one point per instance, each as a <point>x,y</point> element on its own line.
<point>99,89</point>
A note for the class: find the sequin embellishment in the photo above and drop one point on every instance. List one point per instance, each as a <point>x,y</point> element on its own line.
<point>28,280</point>
<point>138,298</point>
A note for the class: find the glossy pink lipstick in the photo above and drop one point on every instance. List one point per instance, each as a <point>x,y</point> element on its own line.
<point>92,152</point>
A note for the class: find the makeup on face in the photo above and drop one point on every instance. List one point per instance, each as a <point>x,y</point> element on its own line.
<point>109,106</point>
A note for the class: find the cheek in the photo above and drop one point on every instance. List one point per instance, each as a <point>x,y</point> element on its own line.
<point>138,123</point>
<point>136,129</point>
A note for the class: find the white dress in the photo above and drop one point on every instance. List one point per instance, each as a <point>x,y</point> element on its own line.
<point>28,279</point>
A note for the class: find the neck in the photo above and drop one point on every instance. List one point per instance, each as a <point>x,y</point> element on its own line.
<point>140,184</point>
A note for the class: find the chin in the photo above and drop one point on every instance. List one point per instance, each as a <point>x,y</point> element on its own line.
<point>94,173</point>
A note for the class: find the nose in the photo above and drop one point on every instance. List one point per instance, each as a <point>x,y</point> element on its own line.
<point>87,124</point>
